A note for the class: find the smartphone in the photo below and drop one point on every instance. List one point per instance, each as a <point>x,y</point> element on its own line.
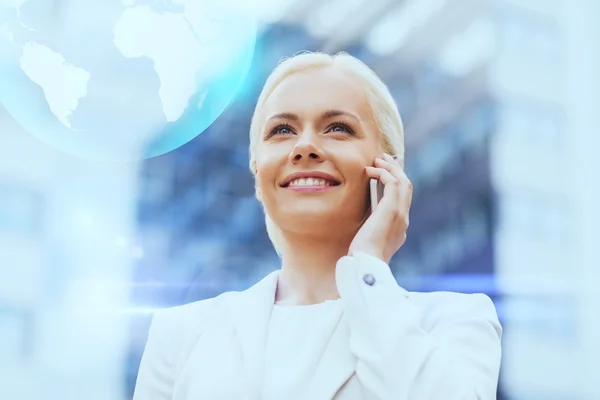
<point>376,193</point>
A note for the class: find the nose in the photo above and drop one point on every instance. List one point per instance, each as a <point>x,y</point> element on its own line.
<point>306,148</point>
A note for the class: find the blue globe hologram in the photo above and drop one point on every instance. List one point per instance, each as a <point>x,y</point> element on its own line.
<point>112,80</point>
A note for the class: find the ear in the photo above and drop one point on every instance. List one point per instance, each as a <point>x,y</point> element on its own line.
<point>257,191</point>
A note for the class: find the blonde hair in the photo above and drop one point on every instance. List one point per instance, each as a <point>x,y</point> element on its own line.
<point>382,108</point>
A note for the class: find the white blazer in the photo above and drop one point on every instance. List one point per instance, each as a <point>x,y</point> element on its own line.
<point>388,344</point>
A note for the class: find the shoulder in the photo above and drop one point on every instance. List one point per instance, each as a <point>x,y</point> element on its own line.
<point>447,307</point>
<point>175,324</point>
<point>172,332</point>
<point>177,315</point>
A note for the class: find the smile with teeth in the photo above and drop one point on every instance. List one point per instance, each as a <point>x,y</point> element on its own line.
<point>307,182</point>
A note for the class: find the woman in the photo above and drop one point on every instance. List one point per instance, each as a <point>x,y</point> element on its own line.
<point>332,323</point>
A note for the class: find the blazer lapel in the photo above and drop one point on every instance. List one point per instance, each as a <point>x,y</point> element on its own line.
<point>336,366</point>
<point>250,313</point>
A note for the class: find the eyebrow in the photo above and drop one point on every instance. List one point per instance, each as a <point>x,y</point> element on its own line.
<point>326,115</point>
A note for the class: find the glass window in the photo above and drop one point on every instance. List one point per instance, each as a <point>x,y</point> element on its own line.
<point>532,125</point>
<point>474,227</point>
<point>469,49</point>
<point>475,126</point>
<point>544,217</point>
<point>437,154</point>
<point>405,96</point>
<point>529,36</point>
<point>391,33</point>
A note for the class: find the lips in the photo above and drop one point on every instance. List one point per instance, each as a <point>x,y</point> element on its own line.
<point>305,175</point>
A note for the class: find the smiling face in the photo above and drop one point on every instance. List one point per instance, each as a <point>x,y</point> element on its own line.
<point>316,123</point>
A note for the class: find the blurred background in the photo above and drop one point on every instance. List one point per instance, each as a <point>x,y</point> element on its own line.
<point>501,104</point>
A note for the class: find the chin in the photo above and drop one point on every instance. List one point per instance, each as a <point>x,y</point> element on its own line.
<point>310,214</point>
<point>313,218</point>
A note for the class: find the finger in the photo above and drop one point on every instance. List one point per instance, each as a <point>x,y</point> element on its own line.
<point>383,174</point>
<point>396,170</point>
<point>391,189</point>
<point>399,193</point>
<point>385,212</point>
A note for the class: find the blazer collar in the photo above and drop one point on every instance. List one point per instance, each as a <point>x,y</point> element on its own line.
<point>251,311</point>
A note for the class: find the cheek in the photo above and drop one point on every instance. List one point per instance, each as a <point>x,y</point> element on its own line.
<point>271,154</point>
<point>266,172</point>
<point>356,153</point>
<point>352,163</point>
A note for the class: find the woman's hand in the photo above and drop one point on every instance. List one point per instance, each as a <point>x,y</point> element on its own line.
<point>384,232</point>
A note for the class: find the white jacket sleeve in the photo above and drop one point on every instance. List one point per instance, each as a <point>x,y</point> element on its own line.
<point>451,351</point>
<point>156,373</point>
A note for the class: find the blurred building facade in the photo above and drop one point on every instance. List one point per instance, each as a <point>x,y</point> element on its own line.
<point>65,269</point>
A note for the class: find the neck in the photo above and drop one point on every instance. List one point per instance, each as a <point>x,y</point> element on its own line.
<point>308,268</point>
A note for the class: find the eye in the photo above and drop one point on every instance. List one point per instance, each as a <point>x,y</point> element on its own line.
<point>281,129</point>
<point>340,127</point>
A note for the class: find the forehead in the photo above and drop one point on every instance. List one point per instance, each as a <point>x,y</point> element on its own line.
<point>310,92</point>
